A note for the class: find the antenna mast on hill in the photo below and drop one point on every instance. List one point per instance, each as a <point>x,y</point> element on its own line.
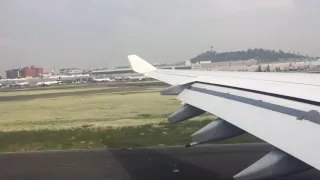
<point>211,48</point>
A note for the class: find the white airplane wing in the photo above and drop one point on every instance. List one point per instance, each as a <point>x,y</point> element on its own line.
<point>280,108</point>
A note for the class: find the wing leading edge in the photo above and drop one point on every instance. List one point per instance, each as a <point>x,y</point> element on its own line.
<point>275,108</point>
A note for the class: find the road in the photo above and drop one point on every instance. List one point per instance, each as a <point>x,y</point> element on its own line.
<point>214,162</point>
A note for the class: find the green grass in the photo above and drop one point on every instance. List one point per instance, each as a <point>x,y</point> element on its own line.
<point>93,110</point>
<point>124,119</point>
<point>83,138</point>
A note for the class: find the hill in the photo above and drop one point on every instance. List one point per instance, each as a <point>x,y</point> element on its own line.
<point>259,54</point>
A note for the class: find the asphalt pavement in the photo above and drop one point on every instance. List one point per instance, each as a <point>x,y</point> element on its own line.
<point>214,162</point>
<point>124,88</point>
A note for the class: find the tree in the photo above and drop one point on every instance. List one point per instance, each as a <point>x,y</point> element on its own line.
<point>268,68</point>
<point>257,53</point>
<point>259,69</point>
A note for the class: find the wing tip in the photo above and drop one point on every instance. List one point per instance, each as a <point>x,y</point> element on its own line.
<point>139,65</point>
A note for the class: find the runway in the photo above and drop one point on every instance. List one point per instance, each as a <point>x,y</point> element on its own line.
<point>115,87</point>
<point>85,85</point>
<point>76,93</point>
<point>214,162</point>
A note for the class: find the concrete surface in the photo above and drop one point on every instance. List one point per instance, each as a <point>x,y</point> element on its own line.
<point>214,162</point>
<point>143,87</point>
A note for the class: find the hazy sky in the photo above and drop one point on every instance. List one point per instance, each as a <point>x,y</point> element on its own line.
<point>87,33</point>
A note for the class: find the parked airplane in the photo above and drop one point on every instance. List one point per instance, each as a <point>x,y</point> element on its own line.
<point>137,78</point>
<point>48,83</point>
<point>280,108</point>
<point>102,80</point>
<point>119,78</point>
<point>20,84</point>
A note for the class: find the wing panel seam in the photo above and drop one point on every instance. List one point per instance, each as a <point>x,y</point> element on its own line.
<point>312,115</point>
<point>265,93</point>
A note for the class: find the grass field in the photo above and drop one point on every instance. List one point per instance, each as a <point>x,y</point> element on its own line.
<point>162,134</point>
<point>123,119</point>
<point>94,110</point>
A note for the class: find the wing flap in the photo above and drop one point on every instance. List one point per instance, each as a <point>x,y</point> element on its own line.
<point>283,130</point>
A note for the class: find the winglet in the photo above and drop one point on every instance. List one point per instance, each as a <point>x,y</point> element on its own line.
<point>139,65</point>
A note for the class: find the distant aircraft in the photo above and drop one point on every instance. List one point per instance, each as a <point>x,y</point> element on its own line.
<point>48,83</point>
<point>281,109</point>
<point>137,78</point>
<point>119,78</point>
<point>102,80</point>
<point>21,84</point>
